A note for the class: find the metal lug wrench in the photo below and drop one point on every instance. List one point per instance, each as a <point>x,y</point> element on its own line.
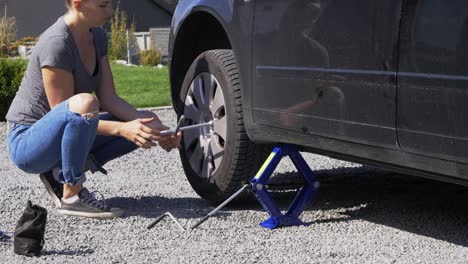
<point>220,206</point>
<point>179,127</point>
<point>246,186</point>
<point>161,218</point>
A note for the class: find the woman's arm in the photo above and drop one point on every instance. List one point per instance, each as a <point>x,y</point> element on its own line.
<point>58,85</point>
<point>117,106</point>
<point>136,121</point>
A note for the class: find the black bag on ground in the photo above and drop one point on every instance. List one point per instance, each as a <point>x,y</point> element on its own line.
<point>29,232</point>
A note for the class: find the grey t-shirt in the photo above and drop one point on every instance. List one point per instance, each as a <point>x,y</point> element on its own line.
<point>55,48</point>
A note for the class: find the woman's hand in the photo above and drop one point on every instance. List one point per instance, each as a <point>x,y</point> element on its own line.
<point>167,142</point>
<point>170,142</point>
<point>139,132</point>
<point>156,126</point>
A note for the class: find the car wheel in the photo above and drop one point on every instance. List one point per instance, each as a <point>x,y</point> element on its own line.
<point>216,160</point>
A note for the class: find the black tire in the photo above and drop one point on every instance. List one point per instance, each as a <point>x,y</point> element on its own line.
<point>240,159</point>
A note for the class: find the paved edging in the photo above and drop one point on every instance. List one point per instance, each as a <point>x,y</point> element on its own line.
<point>156,108</point>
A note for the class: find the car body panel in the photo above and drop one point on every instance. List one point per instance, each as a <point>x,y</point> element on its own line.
<point>433,79</point>
<point>362,110</point>
<point>327,68</point>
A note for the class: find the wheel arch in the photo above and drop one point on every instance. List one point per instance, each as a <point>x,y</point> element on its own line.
<point>201,31</point>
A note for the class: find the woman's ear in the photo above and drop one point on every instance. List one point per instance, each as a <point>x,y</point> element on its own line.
<point>77,5</point>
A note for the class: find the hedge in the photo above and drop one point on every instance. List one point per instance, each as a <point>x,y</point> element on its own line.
<point>11,73</point>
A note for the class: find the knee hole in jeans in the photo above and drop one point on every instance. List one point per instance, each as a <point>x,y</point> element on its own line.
<point>84,104</point>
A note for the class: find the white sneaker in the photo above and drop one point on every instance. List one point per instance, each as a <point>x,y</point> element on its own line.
<point>88,206</point>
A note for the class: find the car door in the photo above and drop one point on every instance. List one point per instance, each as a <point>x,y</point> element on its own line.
<point>327,67</point>
<point>433,79</point>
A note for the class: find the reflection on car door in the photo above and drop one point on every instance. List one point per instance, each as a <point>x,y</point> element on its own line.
<point>327,67</point>
<point>433,79</point>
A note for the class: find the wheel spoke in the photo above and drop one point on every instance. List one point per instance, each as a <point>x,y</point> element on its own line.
<point>204,145</point>
<point>217,151</point>
<point>207,167</point>
<point>208,84</point>
<point>217,103</point>
<point>205,170</point>
<point>190,136</point>
<point>196,158</point>
<point>219,127</point>
<point>199,93</point>
<point>191,111</point>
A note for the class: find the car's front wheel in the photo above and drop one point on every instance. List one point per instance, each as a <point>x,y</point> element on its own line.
<point>216,160</point>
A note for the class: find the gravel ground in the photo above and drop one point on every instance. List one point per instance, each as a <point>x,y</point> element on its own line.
<point>361,215</point>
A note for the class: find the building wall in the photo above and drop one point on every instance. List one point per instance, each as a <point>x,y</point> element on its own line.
<point>34,16</point>
<point>146,14</point>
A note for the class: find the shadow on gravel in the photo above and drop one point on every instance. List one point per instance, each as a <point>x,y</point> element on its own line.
<point>69,252</point>
<point>412,204</point>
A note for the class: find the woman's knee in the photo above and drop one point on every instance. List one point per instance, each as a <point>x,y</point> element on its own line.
<point>84,104</point>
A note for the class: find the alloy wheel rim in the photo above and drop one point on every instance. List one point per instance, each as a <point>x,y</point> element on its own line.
<point>205,146</point>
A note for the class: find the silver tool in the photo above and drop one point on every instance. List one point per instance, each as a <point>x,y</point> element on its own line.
<point>161,217</point>
<point>246,186</point>
<point>220,206</point>
<point>179,127</point>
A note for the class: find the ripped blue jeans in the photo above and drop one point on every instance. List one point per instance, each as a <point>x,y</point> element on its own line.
<point>64,139</point>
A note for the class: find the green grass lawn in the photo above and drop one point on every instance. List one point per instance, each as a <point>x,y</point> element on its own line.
<point>142,86</point>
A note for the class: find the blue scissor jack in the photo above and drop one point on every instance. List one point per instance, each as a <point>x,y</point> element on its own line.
<point>305,195</point>
<point>258,187</point>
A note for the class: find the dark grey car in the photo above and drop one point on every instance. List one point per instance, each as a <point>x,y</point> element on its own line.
<point>375,82</point>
